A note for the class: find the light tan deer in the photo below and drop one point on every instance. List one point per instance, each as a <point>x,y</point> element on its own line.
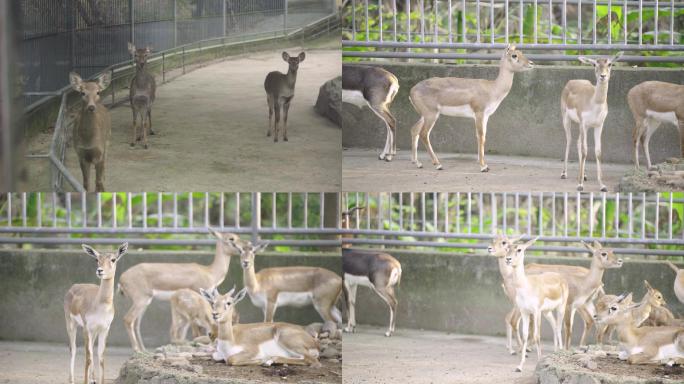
<point>584,104</point>
<point>92,307</point>
<point>653,103</point>
<point>602,303</point>
<point>645,344</point>
<point>190,310</point>
<point>375,87</point>
<point>271,288</point>
<point>280,89</point>
<point>92,129</point>
<point>147,281</point>
<point>660,315</point>
<point>474,98</point>
<point>678,281</point>
<point>534,295</point>
<point>259,343</point>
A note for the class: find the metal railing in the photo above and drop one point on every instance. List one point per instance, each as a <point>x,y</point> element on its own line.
<point>161,219</point>
<point>164,62</point>
<point>382,29</point>
<point>635,224</point>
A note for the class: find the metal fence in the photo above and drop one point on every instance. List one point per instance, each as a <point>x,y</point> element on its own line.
<point>432,29</point>
<point>300,220</point>
<point>635,224</point>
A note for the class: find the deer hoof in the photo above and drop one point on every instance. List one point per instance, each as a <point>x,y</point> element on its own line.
<point>484,169</point>
<point>133,144</point>
<point>285,139</point>
<point>580,188</point>
<point>564,176</point>
<point>382,156</point>
<point>604,188</point>
<point>418,164</point>
<point>268,133</point>
<point>152,132</point>
<point>388,158</point>
<point>146,146</point>
<point>388,333</point>
<point>518,369</point>
<point>585,177</point>
<point>438,167</point>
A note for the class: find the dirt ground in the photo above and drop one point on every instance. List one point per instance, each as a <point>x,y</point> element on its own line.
<point>42,363</point>
<point>330,372</point>
<point>211,132</point>
<point>418,356</point>
<point>362,171</point>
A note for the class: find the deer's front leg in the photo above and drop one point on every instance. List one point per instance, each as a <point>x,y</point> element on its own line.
<point>481,130</point>
<point>101,343</point>
<point>245,357</point>
<point>286,108</point>
<point>269,309</point>
<point>134,128</point>
<point>85,171</point>
<point>99,176</point>
<point>269,100</point>
<point>276,106</point>
<point>88,377</point>
<point>597,152</point>
<point>582,152</point>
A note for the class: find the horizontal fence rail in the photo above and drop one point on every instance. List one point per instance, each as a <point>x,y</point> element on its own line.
<point>144,219</point>
<point>650,31</point>
<point>636,224</point>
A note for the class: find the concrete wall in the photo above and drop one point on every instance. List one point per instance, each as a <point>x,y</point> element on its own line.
<point>527,122</point>
<point>33,284</point>
<point>462,293</point>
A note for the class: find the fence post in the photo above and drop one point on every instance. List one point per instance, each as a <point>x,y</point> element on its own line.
<point>175,23</point>
<point>132,15</point>
<point>285,19</point>
<point>71,26</point>
<point>256,215</point>
<point>224,18</point>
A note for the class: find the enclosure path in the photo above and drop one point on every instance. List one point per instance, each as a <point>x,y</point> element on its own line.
<point>43,363</point>
<point>362,171</point>
<point>211,132</point>
<point>417,357</point>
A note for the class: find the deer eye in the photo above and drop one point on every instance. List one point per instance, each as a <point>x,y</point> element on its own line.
<point>515,55</point>
<point>504,243</point>
<point>604,254</point>
<point>519,250</point>
<point>113,260</point>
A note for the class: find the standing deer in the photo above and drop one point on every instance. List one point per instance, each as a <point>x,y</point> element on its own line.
<point>259,343</point>
<point>280,89</point>
<point>586,105</point>
<point>142,93</point>
<point>92,307</point>
<point>147,281</point>
<point>474,98</point>
<point>92,129</point>
<point>375,87</point>
<point>378,271</point>
<point>271,288</point>
<point>653,103</point>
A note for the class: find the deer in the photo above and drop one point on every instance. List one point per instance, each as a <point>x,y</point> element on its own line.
<point>376,88</point>
<point>147,281</point>
<point>280,88</point>
<point>643,344</point>
<point>660,315</point>
<point>376,270</point>
<point>92,128</point>
<point>190,310</point>
<point>586,105</point>
<point>653,103</point>
<point>602,303</point>
<point>499,248</point>
<point>142,94</point>
<point>91,307</point>
<point>678,282</point>
<point>271,288</point>
<point>534,295</point>
<point>258,343</point>
<point>477,99</point>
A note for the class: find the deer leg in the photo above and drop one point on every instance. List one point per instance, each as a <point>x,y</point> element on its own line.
<point>680,121</point>
<point>509,330</point>
<point>89,369</point>
<point>71,331</point>
<point>636,139</point>
<point>269,100</point>
<point>149,119</point>
<point>537,333</point>
<point>138,322</point>
<point>307,358</point>
<point>101,344</point>
<point>276,106</point>
<point>582,152</point>
<point>387,294</point>
<point>129,321</point>
<point>567,327</point>
<point>135,127</point>
<point>85,171</point>
<point>651,126</point>
<point>588,319</point>
<point>415,132</point>
<point>387,151</point>
<point>245,357</point>
<point>99,176</point>
<point>425,138</point>
<point>567,126</point>
<point>351,305</point>
<point>269,309</point>
<point>525,335</point>
<point>145,127</point>
<point>286,109</point>
<point>481,130</point>
<point>597,152</point>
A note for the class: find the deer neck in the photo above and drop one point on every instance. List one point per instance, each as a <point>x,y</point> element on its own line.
<point>219,267</point>
<point>504,81</point>
<point>627,333</point>
<point>507,272</point>
<point>600,92</point>
<point>595,277</point>
<point>225,331</point>
<point>250,279</point>
<point>291,77</point>
<point>105,294</point>
<point>519,276</point>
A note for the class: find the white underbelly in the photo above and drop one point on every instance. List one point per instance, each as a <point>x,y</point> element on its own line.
<point>458,111</point>
<point>357,280</point>
<point>271,348</point>
<point>296,299</point>
<point>354,97</point>
<point>572,114</point>
<point>162,295</point>
<point>549,304</point>
<point>664,117</point>
<point>77,319</point>
<point>668,351</point>
<point>258,299</point>
<point>227,349</point>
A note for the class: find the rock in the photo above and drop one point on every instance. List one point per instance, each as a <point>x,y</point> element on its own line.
<point>329,102</point>
<point>588,362</point>
<point>330,353</point>
<point>314,329</point>
<point>159,356</point>
<point>330,327</point>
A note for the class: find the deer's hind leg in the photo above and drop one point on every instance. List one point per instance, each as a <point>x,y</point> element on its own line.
<point>100,175</point>
<point>567,126</point>
<point>286,109</point>
<point>72,329</point>
<point>269,101</point>
<point>85,171</point>
<point>149,120</point>
<point>134,129</point>
<point>276,106</point>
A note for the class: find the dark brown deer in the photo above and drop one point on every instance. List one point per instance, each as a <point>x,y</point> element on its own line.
<point>92,128</point>
<point>142,93</point>
<point>280,89</point>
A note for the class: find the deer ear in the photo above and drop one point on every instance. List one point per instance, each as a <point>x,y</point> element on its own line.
<point>230,293</point>
<point>123,248</point>
<point>104,80</point>
<point>586,60</point>
<point>207,295</point>
<point>302,56</point>
<point>617,57</point>
<point>148,49</point>
<point>531,241</point>
<point>286,56</point>
<point>588,246</point>
<point>261,247</point>
<point>131,48</point>
<point>90,251</point>
<point>76,81</point>
<point>648,286</point>
<point>597,245</point>
<point>215,233</point>
<point>628,299</point>
<point>240,295</point>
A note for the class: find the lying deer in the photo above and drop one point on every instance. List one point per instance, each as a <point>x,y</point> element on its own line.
<point>142,94</point>
<point>477,99</point>
<point>653,103</point>
<point>271,288</point>
<point>586,105</point>
<point>678,281</point>
<point>643,345</point>
<point>92,128</point>
<point>534,295</point>
<point>92,307</point>
<point>260,343</point>
<point>375,87</point>
<point>280,89</point>
<point>147,281</point>
<point>660,315</point>
<point>190,310</point>
<point>602,303</point>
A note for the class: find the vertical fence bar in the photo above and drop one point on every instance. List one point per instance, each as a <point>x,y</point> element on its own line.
<point>463,21</point>
<point>54,208</point>
<point>491,20</point>
<point>446,212</point>
<point>160,214</point>
<point>495,219</point>
<point>368,210</point>
<point>422,20</point>
<point>67,198</point>
<point>285,15</point>
<point>672,12</point>
<point>477,21</point>
<point>84,210</point>
<point>394,18</point>
<point>365,8</point>
<point>550,22</point>
<point>520,22</point>
<point>191,204</point>
<point>480,212</point>
<point>578,215</point>
<point>322,208</point>
<point>655,23</point>
<point>504,211</point>
<point>516,203</point>
<point>617,215</point>
<point>354,19</point>
<point>643,215</point>
<point>273,210</point>
<point>222,207</point>
<point>669,218</point>
<point>630,225</point>
<point>380,219</point>
<point>624,20</point>
<point>39,208</point>
<point>506,20</point>
<point>206,209</point>
<point>529,213</point>
<point>256,215</point>
<point>99,210</point>
<point>553,214</point>
<point>657,217</point>
<point>422,211</point>
<point>223,16</point>
<point>237,210</point>
<point>603,215</point>
<point>9,209</point>
<point>131,9</point>
<point>289,210</point>
<point>535,21</point>
<point>565,21</point>
<point>144,209</point>
<point>401,211</point>
<point>306,210</point>
<point>451,35</point>
<point>641,21</point>
<point>469,213</point>
<point>435,216</point>
<point>540,220</point>
<point>436,16</point>
<point>591,214</point>
<point>389,212</point>
<point>408,20</point>
<point>458,212</point>
<point>593,27</point>
<point>129,209</point>
<point>610,22</point>
<point>175,210</point>
<point>23,210</point>
<point>579,22</point>
<point>114,223</point>
<point>380,18</point>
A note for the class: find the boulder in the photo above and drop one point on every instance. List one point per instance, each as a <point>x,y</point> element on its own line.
<point>329,102</point>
